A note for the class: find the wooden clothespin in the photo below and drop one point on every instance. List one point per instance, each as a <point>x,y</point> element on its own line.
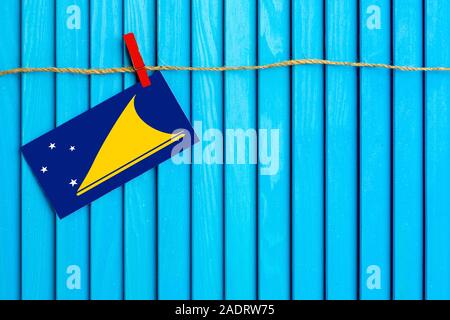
<point>136,59</point>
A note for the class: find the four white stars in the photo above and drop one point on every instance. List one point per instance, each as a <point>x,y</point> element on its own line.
<point>52,145</point>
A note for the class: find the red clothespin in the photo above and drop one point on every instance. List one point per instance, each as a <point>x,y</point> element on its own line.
<point>136,59</point>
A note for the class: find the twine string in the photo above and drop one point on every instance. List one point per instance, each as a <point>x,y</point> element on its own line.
<point>286,63</point>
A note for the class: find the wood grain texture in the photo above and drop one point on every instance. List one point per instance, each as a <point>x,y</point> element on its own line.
<point>72,98</point>
<point>307,152</point>
<point>38,117</point>
<point>174,180</point>
<point>140,193</point>
<point>107,212</point>
<point>341,151</point>
<point>230,231</point>
<point>240,178</point>
<point>375,150</point>
<point>9,153</point>
<point>408,152</point>
<point>207,179</point>
<point>437,152</point>
<point>274,112</point>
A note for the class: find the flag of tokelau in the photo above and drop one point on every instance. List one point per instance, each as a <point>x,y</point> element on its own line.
<point>108,145</point>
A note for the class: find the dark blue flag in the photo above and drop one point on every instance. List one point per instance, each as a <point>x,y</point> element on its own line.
<point>109,145</point>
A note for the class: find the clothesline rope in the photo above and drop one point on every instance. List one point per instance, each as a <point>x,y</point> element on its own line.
<point>286,63</point>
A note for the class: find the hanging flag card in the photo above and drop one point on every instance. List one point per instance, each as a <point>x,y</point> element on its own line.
<point>111,143</point>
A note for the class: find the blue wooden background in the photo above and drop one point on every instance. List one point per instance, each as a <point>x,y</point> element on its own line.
<point>360,205</point>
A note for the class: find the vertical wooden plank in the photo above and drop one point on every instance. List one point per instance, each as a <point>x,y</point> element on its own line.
<point>207,172</point>
<point>72,98</point>
<point>174,43</point>
<point>274,181</point>
<point>375,151</point>
<point>240,173</point>
<point>106,213</point>
<point>341,148</point>
<point>307,149</point>
<point>437,150</point>
<point>9,152</point>
<point>38,117</point>
<point>408,151</point>
<point>140,193</point>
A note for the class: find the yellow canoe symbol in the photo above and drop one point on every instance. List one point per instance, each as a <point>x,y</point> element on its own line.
<point>130,141</point>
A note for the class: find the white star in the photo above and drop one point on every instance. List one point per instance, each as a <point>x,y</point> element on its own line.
<point>44,169</point>
<point>73,182</point>
<point>52,145</point>
<point>72,148</point>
